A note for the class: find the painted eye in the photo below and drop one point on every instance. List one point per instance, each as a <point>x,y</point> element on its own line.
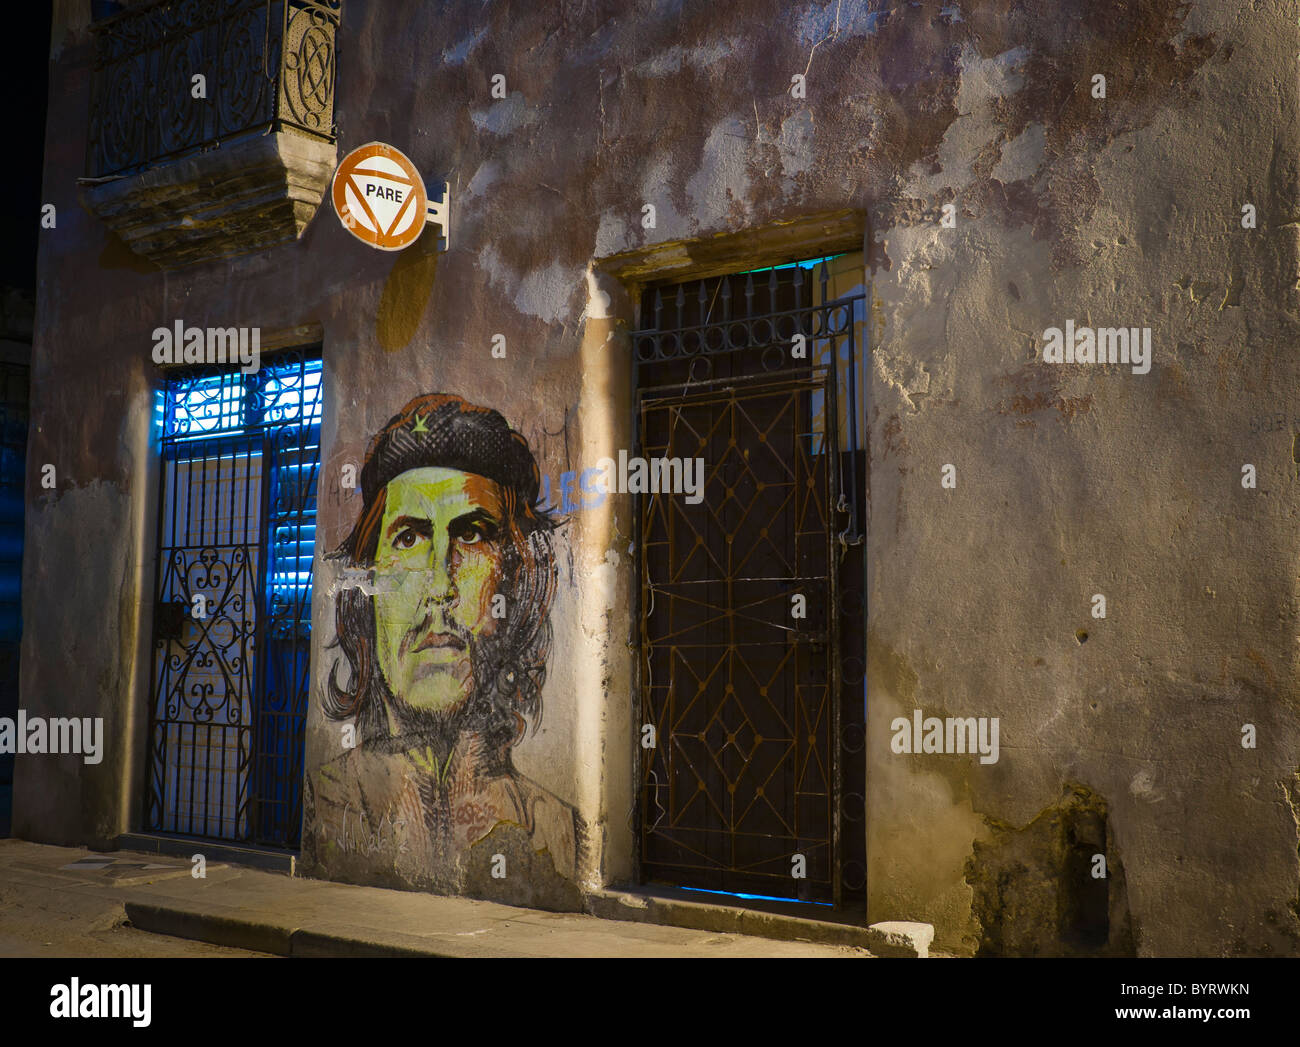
<point>472,532</point>
<point>406,539</point>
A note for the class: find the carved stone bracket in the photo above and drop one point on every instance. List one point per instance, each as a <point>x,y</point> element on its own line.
<point>247,195</point>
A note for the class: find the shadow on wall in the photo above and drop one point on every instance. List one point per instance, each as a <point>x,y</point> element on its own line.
<point>1045,876</point>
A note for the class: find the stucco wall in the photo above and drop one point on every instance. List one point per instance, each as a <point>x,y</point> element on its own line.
<point>1071,480</point>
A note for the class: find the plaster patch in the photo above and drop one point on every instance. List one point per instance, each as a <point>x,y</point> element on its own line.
<point>506,115</point>
<point>671,61</point>
<point>926,275</point>
<point>457,53</point>
<point>1143,787</point>
<point>483,179</point>
<point>905,375</point>
<point>611,235</point>
<point>543,293</point>
<point>669,224</point>
<point>722,179</point>
<point>795,144</point>
<point>546,292</point>
<point>983,81</point>
<point>604,580</point>
<point>1022,156</point>
<point>853,19</point>
<point>662,64</point>
<point>1205,18</point>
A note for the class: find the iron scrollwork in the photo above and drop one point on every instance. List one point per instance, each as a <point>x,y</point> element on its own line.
<point>238,499</point>
<point>266,64</point>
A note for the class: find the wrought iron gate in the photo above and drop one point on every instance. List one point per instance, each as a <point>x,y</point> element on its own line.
<point>739,598</point>
<point>232,622</point>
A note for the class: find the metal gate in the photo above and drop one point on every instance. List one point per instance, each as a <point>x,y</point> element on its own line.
<point>739,598</point>
<point>232,620</point>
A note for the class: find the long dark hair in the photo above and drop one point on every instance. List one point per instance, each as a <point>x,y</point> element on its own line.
<point>508,666</point>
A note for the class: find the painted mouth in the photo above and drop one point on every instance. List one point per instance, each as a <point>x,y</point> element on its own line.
<point>446,642</point>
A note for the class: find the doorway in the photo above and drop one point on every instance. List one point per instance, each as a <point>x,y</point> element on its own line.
<point>232,618</point>
<point>752,628</point>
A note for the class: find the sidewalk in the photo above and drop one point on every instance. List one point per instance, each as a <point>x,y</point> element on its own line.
<point>269,912</point>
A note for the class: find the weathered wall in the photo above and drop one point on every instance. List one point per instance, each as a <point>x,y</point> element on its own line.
<point>1072,480</point>
<point>1075,480</point>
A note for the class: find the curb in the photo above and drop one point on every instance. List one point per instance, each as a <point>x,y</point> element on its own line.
<point>211,927</point>
<point>895,939</point>
<point>256,934</point>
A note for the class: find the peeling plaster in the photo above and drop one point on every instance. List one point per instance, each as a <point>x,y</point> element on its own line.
<point>505,115</point>
<point>853,19</point>
<point>669,223</point>
<point>457,54</point>
<point>722,183</point>
<point>611,235</point>
<point>1022,156</point>
<point>671,61</point>
<point>544,293</point>
<point>983,81</point>
<point>1143,787</point>
<point>483,179</point>
<point>795,144</point>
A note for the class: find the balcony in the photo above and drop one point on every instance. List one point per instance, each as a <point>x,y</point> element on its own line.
<point>185,179</point>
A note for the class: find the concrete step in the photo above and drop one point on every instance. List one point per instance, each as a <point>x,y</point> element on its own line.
<point>678,909</point>
<point>265,858</point>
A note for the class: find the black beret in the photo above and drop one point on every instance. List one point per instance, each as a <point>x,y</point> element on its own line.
<point>439,430</point>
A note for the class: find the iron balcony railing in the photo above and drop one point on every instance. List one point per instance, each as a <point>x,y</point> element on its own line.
<point>267,65</point>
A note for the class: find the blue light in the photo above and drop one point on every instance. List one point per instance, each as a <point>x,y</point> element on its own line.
<point>206,406</point>
<point>807,263</point>
<point>758,897</point>
<point>193,409</point>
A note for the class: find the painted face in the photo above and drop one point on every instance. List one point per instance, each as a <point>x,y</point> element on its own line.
<point>436,570</point>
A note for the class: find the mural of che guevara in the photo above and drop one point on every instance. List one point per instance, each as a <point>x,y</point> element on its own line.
<point>444,649</point>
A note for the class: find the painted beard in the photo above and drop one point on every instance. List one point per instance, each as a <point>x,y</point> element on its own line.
<point>483,713</point>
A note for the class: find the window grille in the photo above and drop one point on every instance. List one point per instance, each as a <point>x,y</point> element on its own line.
<point>236,532</point>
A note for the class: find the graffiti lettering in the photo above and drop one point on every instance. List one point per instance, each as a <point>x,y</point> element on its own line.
<point>1272,423</point>
<point>577,492</point>
<point>387,834</point>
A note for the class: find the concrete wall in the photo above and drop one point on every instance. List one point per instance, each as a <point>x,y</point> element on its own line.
<point>1071,479</point>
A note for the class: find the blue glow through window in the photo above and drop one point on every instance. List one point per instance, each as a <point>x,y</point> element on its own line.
<point>231,403</point>
<point>806,263</point>
<point>206,406</point>
<point>758,897</point>
<point>273,415</point>
<point>293,395</point>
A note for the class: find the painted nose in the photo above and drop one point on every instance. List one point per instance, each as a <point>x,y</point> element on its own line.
<point>442,586</point>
